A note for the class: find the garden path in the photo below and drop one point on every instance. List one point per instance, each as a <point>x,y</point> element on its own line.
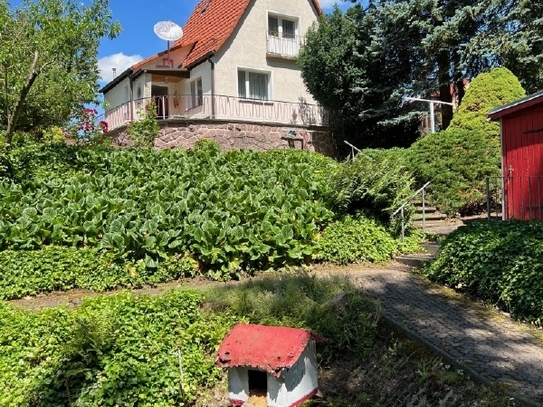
<point>485,343</point>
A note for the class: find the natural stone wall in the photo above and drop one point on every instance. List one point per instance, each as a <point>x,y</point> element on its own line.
<point>236,136</point>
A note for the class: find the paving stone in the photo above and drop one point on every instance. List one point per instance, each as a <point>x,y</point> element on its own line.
<point>497,348</point>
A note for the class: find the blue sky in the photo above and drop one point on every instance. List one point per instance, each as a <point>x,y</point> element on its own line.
<point>137,40</point>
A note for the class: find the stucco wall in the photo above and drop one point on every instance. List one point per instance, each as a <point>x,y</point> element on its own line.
<point>297,383</point>
<point>116,96</point>
<point>246,48</point>
<point>236,136</point>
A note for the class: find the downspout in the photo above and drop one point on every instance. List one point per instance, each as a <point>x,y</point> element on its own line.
<point>212,86</point>
<point>131,82</point>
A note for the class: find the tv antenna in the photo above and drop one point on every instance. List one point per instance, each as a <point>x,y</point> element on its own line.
<point>168,31</point>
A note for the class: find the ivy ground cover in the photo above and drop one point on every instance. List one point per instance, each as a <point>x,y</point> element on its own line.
<point>123,350</point>
<point>498,261</point>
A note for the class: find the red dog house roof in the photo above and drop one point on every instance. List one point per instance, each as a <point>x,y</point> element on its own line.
<point>269,348</point>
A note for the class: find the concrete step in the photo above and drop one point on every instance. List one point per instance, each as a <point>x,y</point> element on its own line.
<point>430,216</point>
<point>427,209</point>
<point>414,260</point>
<point>431,248</point>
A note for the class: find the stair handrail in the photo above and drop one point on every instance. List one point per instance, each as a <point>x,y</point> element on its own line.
<point>401,208</point>
<point>352,149</point>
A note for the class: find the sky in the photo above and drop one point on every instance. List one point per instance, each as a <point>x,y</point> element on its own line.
<point>138,41</point>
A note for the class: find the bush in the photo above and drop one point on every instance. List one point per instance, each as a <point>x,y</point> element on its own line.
<point>498,261</point>
<point>114,350</point>
<point>144,131</point>
<point>355,239</point>
<point>487,91</point>
<point>24,273</point>
<point>458,159</point>
<point>457,163</point>
<point>377,181</point>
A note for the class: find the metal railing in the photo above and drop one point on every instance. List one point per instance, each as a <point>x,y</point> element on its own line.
<point>219,107</point>
<point>283,46</point>
<point>353,149</point>
<point>401,209</point>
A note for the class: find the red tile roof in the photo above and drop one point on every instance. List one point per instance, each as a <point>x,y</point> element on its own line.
<point>209,27</point>
<point>211,24</point>
<point>269,348</point>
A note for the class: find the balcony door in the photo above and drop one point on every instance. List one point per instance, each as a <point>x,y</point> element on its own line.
<point>160,96</point>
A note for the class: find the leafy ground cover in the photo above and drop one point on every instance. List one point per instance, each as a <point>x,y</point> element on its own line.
<point>130,217</point>
<point>125,350</point>
<point>500,262</point>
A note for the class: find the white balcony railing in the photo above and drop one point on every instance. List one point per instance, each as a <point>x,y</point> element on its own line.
<point>285,47</point>
<point>219,107</point>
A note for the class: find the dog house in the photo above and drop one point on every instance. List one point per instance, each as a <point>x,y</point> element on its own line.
<point>521,125</point>
<point>278,362</point>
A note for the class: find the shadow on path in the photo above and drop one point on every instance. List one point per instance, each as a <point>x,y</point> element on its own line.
<point>498,349</point>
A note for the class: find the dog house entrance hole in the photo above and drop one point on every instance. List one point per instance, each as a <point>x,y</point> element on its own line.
<point>258,381</point>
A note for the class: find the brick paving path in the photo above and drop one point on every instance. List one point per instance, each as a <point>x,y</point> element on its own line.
<point>495,347</point>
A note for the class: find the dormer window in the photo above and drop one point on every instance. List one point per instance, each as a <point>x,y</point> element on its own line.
<point>282,35</point>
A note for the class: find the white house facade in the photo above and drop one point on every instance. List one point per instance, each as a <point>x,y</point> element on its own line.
<point>234,68</point>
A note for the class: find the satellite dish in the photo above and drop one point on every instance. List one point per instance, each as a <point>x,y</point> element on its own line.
<point>168,31</point>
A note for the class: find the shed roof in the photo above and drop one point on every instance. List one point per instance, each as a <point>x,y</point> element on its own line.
<point>513,107</point>
<point>269,348</point>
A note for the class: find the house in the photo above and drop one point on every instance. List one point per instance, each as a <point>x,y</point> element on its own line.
<point>278,362</point>
<point>521,124</point>
<point>232,78</point>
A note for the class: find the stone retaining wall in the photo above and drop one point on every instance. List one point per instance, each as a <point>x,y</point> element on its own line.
<point>236,136</point>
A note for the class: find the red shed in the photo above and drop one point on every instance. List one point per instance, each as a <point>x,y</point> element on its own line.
<point>521,125</point>
<point>277,363</point>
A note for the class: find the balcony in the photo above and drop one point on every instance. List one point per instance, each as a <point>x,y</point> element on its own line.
<point>282,46</point>
<point>220,107</point>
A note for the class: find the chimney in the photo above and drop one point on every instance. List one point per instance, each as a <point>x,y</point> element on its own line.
<point>114,72</point>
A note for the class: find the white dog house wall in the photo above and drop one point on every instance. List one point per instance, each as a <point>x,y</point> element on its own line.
<point>279,362</point>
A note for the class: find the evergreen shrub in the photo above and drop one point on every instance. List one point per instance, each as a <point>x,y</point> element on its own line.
<point>458,159</point>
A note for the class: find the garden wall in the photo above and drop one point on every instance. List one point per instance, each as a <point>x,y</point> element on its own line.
<point>236,136</point>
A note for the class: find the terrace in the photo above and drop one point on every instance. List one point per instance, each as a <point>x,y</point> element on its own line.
<point>221,108</point>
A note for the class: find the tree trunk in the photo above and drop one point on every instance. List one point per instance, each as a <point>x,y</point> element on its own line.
<point>445,82</point>
<point>18,107</point>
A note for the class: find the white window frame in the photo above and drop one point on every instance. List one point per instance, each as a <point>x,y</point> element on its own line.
<point>247,71</point>
<point>196,91</point>
<point>280,17</point>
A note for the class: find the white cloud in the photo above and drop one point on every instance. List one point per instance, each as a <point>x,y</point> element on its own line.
<point>119,61</point>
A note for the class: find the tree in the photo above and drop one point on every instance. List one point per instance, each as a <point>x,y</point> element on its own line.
<point>48,60</point>
<point>458,159</point>
<point>459,39</point>
<point>347,75</point>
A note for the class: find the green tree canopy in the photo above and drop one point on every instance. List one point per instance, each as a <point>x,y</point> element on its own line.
<point>48,60</point>
<point>361,64</point>
<point>346,73</point>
